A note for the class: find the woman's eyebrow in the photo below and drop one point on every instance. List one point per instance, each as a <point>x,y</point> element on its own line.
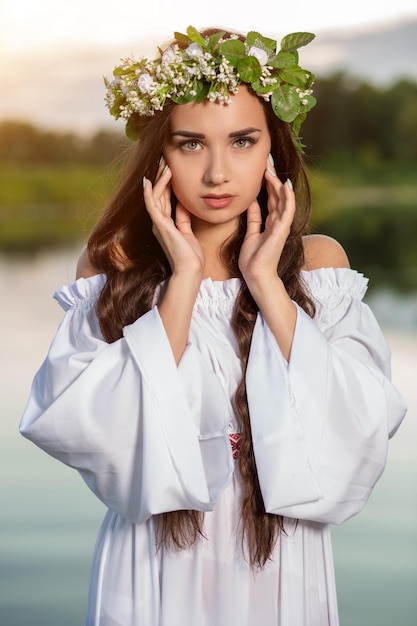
<point>187,133</point>
<point>237,133</point>
<point>245,131</point>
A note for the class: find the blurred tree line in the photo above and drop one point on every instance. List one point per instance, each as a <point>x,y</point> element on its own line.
<point>22,143</point>
<point>360,147</point>
<point>353,120</point>
<point>356,120</point>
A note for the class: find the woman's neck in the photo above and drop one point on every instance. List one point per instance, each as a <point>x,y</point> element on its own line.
<point>216,271</point>
<point>211,239</point>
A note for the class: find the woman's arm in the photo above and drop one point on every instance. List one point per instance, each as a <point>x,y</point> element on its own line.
<point>261,252</point>
<point>125,416</point>
<point>184,254</point>
<point>278,310</point>
<point>321,423</point>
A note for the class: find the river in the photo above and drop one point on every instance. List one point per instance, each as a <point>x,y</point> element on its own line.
<point>49,520</point>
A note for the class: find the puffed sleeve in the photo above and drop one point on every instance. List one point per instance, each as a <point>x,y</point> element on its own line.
<point>124,415</point>
<point>321,423</point>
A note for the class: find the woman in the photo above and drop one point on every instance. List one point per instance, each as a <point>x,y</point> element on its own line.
<point>216,380</point>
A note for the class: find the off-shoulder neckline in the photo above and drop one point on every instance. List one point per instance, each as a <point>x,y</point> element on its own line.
<point>321,282</point>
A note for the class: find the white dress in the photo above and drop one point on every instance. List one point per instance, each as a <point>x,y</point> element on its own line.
<point>149,437</point>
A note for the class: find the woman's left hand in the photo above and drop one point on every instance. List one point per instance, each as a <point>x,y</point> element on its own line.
<point>261,251</point>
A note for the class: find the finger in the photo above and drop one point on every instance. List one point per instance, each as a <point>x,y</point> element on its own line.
<point>163,175</point>
<point>158,196</point>
<point>275,191</point>
<point>254,219</point>
<point>147,192</point>
<point>153,206</point>
<point>281,197</point>
<point>272,181</point>
<point>270,167</point>
<point>289,195</point>
<point>161,166</point>
<point>182,219</point>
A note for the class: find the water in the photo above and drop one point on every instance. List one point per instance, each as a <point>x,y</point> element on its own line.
<point>49,519</point>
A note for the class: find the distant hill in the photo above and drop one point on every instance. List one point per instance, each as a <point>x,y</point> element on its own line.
<point>380,55</point>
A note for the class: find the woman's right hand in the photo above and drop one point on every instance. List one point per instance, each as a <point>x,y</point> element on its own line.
<point>185,255</point>
<point>181,247</point>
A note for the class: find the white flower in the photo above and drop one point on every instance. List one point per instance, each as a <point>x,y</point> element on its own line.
<point>259,54</point>
<point>144,83</point>
<point>194,51</point>
<point>168,56</point>
<point>193,71</point>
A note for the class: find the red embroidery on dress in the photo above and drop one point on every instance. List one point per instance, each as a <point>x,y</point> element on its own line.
<point>234,442</point>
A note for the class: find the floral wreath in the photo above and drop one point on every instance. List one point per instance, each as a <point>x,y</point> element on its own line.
<point>197,68</point>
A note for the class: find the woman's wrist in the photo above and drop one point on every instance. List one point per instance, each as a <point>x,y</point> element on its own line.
<point>263,283</point>
<point>176,308</point>
<point>277,309</point>
<point>187,277</point>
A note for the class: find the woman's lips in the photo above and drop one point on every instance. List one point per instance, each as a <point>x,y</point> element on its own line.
<point>218,202</point>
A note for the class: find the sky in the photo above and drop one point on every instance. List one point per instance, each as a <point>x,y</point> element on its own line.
<point>54,52</point>
<point>27,25</point>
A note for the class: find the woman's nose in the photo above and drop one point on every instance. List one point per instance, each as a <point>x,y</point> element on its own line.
<point>217,170</point>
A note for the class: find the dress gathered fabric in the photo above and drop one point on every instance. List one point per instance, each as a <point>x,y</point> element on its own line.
<point>150,437</point>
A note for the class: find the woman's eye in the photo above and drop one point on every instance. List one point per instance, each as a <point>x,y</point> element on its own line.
<point>243,142</point>
<point>192,146</point>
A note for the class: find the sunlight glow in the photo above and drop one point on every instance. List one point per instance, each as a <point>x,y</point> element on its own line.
<point>41,24</point>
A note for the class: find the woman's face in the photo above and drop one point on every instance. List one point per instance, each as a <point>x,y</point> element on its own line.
<point>218,154</point>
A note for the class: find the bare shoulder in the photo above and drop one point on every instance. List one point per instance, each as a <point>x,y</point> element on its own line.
<point>84,267</point>
<point>323,251</point>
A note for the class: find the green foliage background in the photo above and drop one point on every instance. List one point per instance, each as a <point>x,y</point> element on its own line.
<point>361,150</point>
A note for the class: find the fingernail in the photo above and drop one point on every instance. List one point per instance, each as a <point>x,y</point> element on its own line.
<point>271,159</point>
<point>271,172</point>
<point>289,183</point>
<point>144,182</point>
<point>164,170</point>
<point>160,161</point>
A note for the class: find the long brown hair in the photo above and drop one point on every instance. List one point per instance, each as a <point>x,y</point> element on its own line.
<point>123,247</point>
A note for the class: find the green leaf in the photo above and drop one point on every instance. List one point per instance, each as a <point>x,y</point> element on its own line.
<point>311,102</point>
<point>296,40</point>
<point>195,36</point>
<point>296,125</point>
<point>213,40</point>
<point>187,97</point>
<point>285,103</point>
<point>309,80</point>
<point>294,76</point>
<point>256,39</point>
<point>233,48</point>
<point>181,99</point>
<point>202,90</point>
<point>262,89</point>
<point>182,38</point>
<point>133,127</point>
<point>283,59</point>
<point>119,71</point>
<point>115,109</point>
<point>249,69</point>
